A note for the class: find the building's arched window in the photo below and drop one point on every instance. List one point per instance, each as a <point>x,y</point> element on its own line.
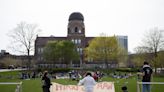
<point>76,29</point>
<point>79,31</point>
<point>72,31</point>
<point>83,29</point>
<point>68,30</point>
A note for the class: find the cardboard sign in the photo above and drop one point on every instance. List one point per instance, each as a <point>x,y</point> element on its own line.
<point>99,87</point>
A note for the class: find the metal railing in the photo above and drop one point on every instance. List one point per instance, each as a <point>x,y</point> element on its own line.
<point>139,83</point>
<point>18,87</point>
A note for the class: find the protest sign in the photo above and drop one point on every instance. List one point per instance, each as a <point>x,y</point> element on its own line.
<point>99,87</point>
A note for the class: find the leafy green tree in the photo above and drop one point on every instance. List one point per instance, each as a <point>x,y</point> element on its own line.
<point>50,51</point>
<point>67,51</point>
<point>103,49</point>
<point>138,59</point>
<point>142,54</point>
<point>60,51</point>
<point>122,56</point>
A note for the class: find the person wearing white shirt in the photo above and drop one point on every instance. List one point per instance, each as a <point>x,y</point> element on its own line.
<point>88,82</point>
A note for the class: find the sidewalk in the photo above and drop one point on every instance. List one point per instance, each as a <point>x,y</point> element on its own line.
<point>6,70</point>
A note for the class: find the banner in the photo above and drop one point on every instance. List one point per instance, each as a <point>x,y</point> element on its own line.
<point>99,87</point>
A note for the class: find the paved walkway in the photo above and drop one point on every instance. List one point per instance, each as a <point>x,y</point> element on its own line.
<point>5,70</point>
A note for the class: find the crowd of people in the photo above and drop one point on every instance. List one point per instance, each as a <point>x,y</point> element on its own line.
<point>119,75</point>
<point>89,79</point>
<point>76,75</point>
<point>28,75</point>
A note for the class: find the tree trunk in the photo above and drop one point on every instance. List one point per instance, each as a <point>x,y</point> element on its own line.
<point>155,63</point>
<point>106,62</point>
<point>28,59</point>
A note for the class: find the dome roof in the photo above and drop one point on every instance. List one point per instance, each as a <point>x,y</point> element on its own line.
<point>76,16</point>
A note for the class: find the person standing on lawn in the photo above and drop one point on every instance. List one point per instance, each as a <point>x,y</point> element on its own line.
<point>46,82</point>
<point>88,82</point>
<point>146,76</point>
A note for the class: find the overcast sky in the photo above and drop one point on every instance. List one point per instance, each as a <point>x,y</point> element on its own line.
<point>131,18</point>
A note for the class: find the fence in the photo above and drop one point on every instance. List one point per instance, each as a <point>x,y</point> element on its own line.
<point>18,87</point>
<point>154,83</point>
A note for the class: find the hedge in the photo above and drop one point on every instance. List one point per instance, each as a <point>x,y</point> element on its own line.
<point>127,69</point>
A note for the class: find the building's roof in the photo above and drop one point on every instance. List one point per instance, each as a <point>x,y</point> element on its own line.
<point>76,16</point>
<point>43,40</point>
<point>89,38</point>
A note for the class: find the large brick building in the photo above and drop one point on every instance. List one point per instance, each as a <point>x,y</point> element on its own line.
<point>76,34</point>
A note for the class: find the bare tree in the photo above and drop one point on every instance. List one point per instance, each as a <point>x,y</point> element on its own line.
<point>142,54</point>
<point>23,37</point>
<point>153,43</point>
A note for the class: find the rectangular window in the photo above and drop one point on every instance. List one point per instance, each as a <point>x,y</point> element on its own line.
<point>81,50</point>
<point>79,41</point>
<point>39,51</point>
<point>78,50</point>
<point>76,41</point>
<point>73,40</point>
<point>72,31</point>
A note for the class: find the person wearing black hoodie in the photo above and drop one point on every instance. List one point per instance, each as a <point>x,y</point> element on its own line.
<point>46,82</point>
<point>146,73</point>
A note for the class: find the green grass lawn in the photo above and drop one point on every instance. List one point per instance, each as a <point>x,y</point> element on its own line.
<point>34,85</point>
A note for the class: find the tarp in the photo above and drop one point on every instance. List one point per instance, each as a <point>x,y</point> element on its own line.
<point>99,87</point>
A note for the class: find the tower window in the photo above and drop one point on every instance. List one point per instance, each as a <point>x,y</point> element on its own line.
<point>83,29</point>
<point>76,29</point>
<point>79,31</point>
<point>68,29</point>
<point>72,31</point>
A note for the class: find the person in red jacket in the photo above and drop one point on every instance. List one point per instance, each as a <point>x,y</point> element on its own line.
<point>95,76</point>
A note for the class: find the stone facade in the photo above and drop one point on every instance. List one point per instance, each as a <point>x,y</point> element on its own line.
<point>75,33</point>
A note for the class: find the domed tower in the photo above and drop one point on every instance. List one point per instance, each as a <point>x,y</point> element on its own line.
<point>76,24</point>
<point>76,31</point>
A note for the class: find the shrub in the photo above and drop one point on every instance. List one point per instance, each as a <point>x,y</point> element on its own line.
<point>127,69</point>
<point>54,70</point>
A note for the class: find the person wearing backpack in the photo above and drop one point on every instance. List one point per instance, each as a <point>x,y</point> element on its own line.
<point>146,76</point>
